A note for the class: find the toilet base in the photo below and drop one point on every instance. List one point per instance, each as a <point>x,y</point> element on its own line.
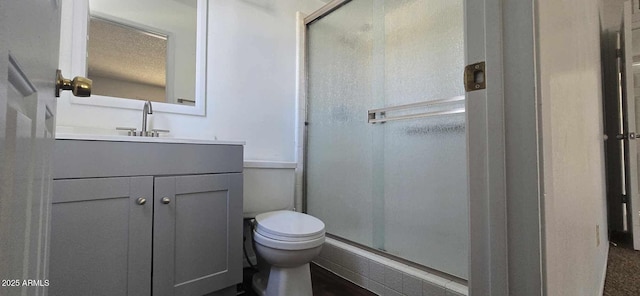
<point>284,282</point>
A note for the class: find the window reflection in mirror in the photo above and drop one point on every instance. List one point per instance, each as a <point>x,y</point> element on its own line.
<point>175,21</point>
<point>636,68</point>
<point>127,62</point>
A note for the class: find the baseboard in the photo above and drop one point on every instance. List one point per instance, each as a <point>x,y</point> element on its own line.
<point>604,271</point>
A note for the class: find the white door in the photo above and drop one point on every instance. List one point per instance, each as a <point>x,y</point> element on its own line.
<point>632,206</point>
<point>29,46</point>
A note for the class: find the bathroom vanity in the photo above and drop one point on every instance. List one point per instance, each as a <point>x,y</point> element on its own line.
<point>146,216</point>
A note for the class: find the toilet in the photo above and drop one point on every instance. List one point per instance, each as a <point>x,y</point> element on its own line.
<point>285,241</point>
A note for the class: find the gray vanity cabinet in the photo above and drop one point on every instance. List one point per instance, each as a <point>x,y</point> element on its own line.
<point>100,231</point>
<point>146,225</point>
<point>195,234</point>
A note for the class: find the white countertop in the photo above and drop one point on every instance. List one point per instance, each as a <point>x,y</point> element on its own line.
<point>122,138</point>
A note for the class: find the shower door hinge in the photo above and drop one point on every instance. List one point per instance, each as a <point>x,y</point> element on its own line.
<point>625,199</point>
<point>474,77</point>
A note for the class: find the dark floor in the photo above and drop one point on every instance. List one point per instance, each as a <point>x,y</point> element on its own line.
<point>623,270</point>
<point>324,283</point>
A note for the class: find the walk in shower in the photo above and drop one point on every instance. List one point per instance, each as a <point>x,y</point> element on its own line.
<point>385,141</point>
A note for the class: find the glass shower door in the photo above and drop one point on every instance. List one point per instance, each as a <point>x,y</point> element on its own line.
<point>425,186</point>
<point>386,150</point>
<point>339,147</point>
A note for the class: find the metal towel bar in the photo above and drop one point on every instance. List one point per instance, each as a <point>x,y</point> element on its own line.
<point>379,115</point>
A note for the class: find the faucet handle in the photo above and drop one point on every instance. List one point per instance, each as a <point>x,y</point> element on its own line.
<point>156,132</point>
<point>132,130</point>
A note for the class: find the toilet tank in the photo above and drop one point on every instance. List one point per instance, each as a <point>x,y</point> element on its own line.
<point>268,186</point>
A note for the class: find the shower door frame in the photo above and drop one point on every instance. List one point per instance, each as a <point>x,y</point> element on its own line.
<point>488,256</point>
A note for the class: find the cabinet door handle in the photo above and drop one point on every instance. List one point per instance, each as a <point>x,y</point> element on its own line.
<point>141,200</point>
<point>165,200</point>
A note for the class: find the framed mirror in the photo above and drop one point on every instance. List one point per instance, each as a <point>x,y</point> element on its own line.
<point>142,50</point>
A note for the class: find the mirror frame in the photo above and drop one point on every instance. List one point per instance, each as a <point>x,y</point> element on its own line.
<point>80,16</point>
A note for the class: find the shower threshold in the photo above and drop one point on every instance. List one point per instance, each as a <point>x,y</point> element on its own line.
<point>378,271</point>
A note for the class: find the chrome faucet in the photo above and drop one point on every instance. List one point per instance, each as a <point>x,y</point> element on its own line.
<point>147,109</point>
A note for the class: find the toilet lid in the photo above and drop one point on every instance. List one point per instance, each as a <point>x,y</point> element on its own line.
<point>289,225</point>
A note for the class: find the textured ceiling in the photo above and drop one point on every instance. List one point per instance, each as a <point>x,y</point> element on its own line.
<point>125,53</point>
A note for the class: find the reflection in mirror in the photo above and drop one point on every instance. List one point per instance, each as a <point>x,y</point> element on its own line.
<point>635,45</point>
<point>126,62</point>
<point>636,69</point>
<point>143,49</point>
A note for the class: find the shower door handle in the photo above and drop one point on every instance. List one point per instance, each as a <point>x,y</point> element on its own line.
<point>380,115</point>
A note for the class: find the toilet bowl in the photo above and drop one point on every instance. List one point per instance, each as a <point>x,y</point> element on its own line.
<point>285,243</point>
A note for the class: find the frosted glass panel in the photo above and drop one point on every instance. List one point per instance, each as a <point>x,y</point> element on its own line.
<point>339,157</point>
<point>399,186</point>
<point>424,50</point>
<point>426,213</point>
<point>425,186</point>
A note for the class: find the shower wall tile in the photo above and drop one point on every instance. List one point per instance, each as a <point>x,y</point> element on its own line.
<point>322,262</point>
<point>411,286</point>
<point>452,293</point>
<point>326,264</point>
<point>456,289</point>
<point>324,252</point>
<point>429,289</point>
<point>375,274</point>
<point>376,287</point>
<point>356,263</point>
<point>393,278</point>
<point>376,271</point>
<point>336,255</point>
<point>355,278</point>
<point>391,292</point>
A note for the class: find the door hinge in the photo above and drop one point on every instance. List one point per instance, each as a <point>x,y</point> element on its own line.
<point>474,77</point>
<point>618,53</point>
<point>625,199</point>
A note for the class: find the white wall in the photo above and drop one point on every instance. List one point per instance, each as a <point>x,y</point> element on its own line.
<point>250,82</point>
<point>251,74</point>
<point>570,95</point>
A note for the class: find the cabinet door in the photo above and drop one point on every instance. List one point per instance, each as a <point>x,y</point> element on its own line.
<point>197,234</point>
<point>101,237</point>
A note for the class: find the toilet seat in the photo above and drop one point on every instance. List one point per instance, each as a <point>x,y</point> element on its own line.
<point>289,226</point>
<point>287,245</point>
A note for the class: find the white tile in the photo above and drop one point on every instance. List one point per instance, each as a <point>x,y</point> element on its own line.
<point>393,278</point>
<point>341,271</point>
<point>322,263</point>
<point>362,281</point>
<point>332,254</point>
<point>376,271</point>
<point>353,277</point>
<point>324,252</point>
<point>376,287</point>
<point>411,286</point>
<point>456,289</point>
<point>391,292</point>
<point>319,261</point>
<point>431,289</point>
<point>356,263</point>
<point>452,293</point>
<point>337,256</point>
<point>330,266</point>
